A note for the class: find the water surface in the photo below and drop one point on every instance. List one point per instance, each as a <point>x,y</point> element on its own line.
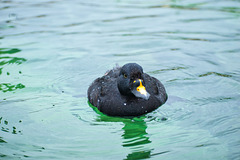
<point>51,51</point>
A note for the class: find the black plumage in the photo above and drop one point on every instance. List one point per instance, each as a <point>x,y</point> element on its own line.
<point>117,93</point>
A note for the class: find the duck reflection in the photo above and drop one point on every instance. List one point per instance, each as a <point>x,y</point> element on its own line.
<point>135,136</point>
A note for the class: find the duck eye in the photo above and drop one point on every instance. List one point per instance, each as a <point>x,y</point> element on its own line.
<point>124,75</point>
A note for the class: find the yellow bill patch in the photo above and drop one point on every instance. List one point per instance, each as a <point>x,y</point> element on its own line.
<point>141,88</point>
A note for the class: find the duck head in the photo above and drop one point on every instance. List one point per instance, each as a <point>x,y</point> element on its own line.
<point>130,81</point>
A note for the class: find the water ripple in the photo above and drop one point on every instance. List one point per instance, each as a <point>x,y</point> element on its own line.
<point>230,130</point>
<point>112,20</point>
<point>208,100</point>
<point>167,69</point>
<point>214,73</point>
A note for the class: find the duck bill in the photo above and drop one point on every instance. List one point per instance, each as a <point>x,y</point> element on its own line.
<point>141,91</point>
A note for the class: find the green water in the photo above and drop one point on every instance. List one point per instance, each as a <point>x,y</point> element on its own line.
<point>51,51</point>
